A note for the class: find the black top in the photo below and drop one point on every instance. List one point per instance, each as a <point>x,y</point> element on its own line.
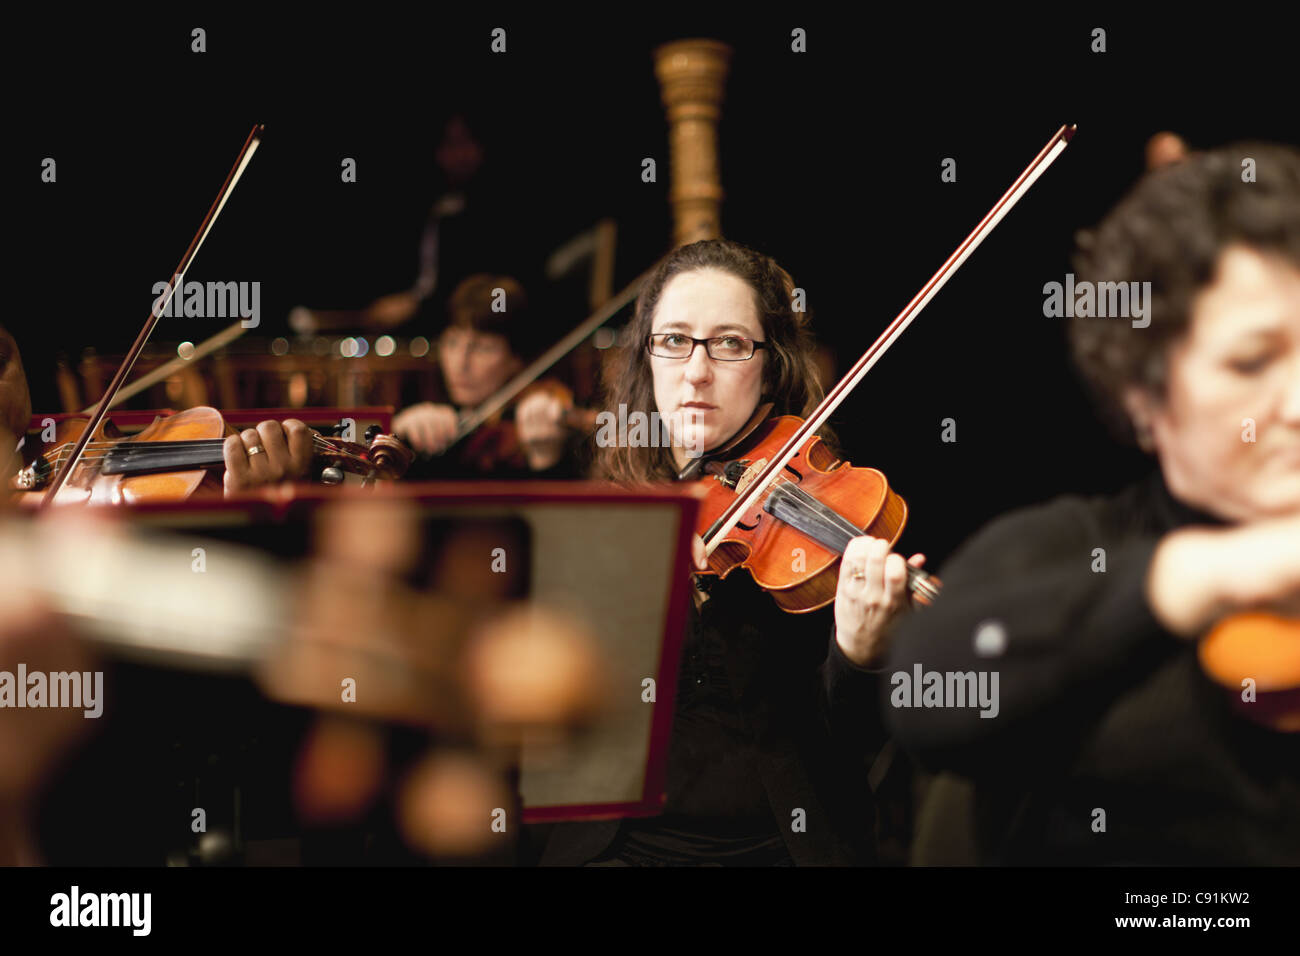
<point>1100,709</point>
<point>773,732</point>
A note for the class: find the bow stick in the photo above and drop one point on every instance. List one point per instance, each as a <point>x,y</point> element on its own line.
<point>155,313</point>
<point>758,487</point>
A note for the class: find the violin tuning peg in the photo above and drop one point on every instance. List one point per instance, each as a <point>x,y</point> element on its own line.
<point>332,475</point>
<point>372,432</point>
<point>732,473</point>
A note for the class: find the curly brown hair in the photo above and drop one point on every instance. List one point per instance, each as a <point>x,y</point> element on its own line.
<point>790,379</point>
<point>470,307</point>
<point>1169,231</point>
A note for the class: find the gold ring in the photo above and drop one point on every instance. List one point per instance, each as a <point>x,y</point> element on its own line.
<point>255,450</point>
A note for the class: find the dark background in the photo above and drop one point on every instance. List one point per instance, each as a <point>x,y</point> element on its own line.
<point>830,162</point>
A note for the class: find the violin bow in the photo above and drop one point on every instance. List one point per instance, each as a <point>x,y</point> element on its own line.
<point>202,350</point>
<point>758,487</point>
<point>502,397</point>
<point>155,313</point>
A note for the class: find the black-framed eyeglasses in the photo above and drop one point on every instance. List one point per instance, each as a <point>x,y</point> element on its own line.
<point>720,348</point>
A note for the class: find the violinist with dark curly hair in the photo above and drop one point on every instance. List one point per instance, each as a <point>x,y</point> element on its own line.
<point>1110,744</point>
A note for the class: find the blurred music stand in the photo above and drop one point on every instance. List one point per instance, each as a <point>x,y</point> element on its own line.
<point>619,560</point>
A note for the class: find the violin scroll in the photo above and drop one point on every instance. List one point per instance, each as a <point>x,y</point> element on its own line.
<point>382,456</point>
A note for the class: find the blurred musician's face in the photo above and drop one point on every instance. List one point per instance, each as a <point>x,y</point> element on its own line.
<point>474,364</point>
<point>1239,360</point>
<point>712,399</point>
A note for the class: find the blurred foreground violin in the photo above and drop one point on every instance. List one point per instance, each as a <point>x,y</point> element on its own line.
<point>1255,657</point>
<point>790,492</point>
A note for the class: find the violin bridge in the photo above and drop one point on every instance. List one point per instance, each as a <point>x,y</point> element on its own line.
<point>751,472</point>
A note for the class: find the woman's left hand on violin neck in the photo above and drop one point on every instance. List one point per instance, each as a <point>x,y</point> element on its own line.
<point>871,595</point>
<point>272,452</point>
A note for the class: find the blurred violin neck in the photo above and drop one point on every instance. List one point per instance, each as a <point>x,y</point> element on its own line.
<point>923,585</point>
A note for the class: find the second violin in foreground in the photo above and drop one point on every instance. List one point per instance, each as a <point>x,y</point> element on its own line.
<point>177,456</point>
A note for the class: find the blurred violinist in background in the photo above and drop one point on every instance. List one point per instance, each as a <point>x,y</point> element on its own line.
<point>454,234</point>
<point>1113,741</point>
<point>480,349</point>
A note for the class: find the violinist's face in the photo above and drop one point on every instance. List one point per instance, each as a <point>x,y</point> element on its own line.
<point>711,399</point>
<point>474,364</point>
<point>1240,360</point>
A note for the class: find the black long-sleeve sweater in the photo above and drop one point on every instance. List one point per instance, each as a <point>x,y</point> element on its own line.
<point>1104,718</point>
<point>773,732</point>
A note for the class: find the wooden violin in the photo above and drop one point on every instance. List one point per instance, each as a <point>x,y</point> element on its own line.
<point>175,457</point>
<point>788,509</point>
<point>791,541</point>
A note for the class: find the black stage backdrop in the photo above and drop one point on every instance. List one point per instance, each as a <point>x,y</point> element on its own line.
<point>830,162</point>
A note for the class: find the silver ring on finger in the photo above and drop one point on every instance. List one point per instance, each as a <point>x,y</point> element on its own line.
<point>255,450</point>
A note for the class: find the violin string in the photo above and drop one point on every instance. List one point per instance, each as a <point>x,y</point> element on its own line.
<point>144,450</point>
<point>125,443</point>
<point>829,513</point>
<point>318,440</point>
<point>918,578</point>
